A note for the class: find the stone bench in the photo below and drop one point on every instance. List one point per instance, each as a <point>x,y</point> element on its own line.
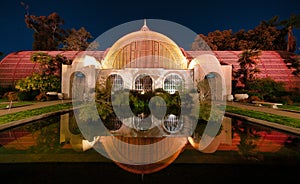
<point>273,104</point>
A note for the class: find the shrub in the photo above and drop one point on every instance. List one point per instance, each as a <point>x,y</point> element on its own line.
<point>254,98</point>
<point>27,95</point>
<point>43,83</point>
<point>267,88</point>
<point>285,100</point>
<point>41,97</point>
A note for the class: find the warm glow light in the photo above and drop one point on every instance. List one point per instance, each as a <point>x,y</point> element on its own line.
<point>192,142</point>
<point>192,64</point>
<point>91,61</point>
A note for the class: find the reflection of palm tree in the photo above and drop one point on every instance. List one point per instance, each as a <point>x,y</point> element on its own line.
<point>46,136</point>
<point>248,137</point>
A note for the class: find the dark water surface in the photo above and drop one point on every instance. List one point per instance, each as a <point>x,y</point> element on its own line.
<point>51,150</point>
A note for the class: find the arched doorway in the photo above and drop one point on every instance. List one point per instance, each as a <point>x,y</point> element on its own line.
<point>78,85</point>
<point>215,83</point>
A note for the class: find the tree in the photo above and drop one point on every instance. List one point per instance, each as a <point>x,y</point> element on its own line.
<point>200,43</point>
<point>41,83</point>
<point>48,79</point>
<point>77,39</point>
<point>289,25</point>
<point>49,65</point>
<point>48,32</point>
<point>217,40</point>
<point>265,36</point>
<point>248,60</point>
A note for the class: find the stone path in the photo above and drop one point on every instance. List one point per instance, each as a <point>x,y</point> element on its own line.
<point>33,106</point>
<point>266,109</point>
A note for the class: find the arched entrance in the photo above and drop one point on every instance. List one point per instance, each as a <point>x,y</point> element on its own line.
<point>78,83</point>
<point>215,83</point>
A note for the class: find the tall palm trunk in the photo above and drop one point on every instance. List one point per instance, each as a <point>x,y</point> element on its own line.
<point>291,44</point>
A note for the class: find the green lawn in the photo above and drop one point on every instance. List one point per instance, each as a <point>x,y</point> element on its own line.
<point>26,114</point>
<point>4,104</point>
<point>292,122</point>
<point>290,107</point>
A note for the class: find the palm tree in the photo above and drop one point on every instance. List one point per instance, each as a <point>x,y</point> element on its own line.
<point>273,22</point>
<point>291,44</point>
<point>248,61</point>
<point>290,24</point>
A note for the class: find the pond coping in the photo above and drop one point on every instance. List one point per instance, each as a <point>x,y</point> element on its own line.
<point>266,123</point>
<point>33,118</point>
<point>254,120</point>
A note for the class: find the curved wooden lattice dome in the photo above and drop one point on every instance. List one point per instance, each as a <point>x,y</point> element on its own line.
<point>144,49</point>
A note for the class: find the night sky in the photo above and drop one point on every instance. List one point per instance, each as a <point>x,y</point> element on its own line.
<point>99,16</point>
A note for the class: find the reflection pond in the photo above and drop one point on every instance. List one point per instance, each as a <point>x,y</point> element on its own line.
<point>54,147</point>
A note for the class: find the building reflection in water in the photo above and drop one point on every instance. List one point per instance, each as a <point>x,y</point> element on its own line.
<point>136,149</point>
<point>139,154</point>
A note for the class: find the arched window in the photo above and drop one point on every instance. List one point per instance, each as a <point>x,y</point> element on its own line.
<point>172,123</point>
<point>143,83</point>
<point>115,82</point>
<point>173,83</point>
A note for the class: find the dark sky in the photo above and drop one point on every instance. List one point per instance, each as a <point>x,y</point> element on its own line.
<point>98,16</point>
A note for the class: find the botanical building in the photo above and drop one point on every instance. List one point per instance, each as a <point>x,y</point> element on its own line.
<point>147,60</point>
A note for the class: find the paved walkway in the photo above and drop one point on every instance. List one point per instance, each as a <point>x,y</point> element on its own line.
<point>33,106</point>
<point>265,109</point>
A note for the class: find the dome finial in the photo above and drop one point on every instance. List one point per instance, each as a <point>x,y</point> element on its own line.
<point>145,27</point>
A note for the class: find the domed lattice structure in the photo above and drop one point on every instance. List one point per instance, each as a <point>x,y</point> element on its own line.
<point>272,64</point>
<point>153,48</point>
<point>16,66</point>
